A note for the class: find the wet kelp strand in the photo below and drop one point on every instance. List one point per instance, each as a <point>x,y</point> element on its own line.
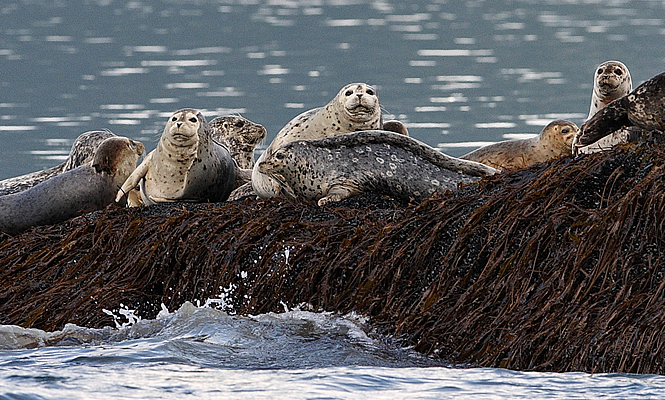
<point>555,268</point>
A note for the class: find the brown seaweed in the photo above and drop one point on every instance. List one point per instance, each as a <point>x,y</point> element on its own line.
<point>555,268</point>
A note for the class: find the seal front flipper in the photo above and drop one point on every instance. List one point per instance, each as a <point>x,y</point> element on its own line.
<point>134,178</point>
<point>338,192</point>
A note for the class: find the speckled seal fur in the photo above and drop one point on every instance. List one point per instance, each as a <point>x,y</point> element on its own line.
<point>81,152</point>
<point>187,165</point>
<point>553,141</point>
<point>342,166</point>
<point>83,189</point>
<point>239,135</point>
<point>644,108</point>
<point>355,108</point>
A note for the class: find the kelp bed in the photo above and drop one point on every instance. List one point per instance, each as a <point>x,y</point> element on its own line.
<point>555,268</point>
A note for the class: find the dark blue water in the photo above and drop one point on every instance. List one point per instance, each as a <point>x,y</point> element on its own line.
<point>459,73</point>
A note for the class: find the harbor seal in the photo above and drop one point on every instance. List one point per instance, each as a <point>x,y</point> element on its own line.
<point>644,108</point>
<point>187,165</point>
<point>553,141</point>
<point>611,81</point>
<point>338,167</point>
<point>81,152</point>
<point>355,108</point>
<point>239,135</point>
<point>83,189</point>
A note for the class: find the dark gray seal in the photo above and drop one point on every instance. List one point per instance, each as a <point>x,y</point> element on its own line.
<point>644,107</point>
<point>82,152</point>
<point>83,189</point>
<point>384,162</point>
<point>239,135</point>
<point>395,126</point>
<point>187,165</point>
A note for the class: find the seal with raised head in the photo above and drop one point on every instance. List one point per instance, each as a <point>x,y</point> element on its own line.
<point>644,108</point>
<point>187,165</point>
<point>553,141</point>
<point>83,189</point>
<point>611,81</point>
<point>355,108</point>
<point>81,152</point>
<point>239,135</point>
<point>384,162</point>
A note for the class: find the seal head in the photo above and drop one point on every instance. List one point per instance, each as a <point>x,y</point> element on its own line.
<point>611,81</point>
<point>239,135</point>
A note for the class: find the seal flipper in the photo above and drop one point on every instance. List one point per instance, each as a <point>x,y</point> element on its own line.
<point>338,192</point>
<point>133,180</point>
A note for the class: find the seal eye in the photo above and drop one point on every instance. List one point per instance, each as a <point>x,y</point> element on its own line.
<point>239,124</point>
<point>618,71</point>
<point>279,156</point>
<point>348,93</point>
<point>174,118</point>
<point>193,120</point>
<point>565,130</point>
<point>370,92</point>
<point>600,71</point>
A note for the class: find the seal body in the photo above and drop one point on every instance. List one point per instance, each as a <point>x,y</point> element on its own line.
<point>385,162</point>
<point>553,141</point>
<point>81,152</point>
<point>239,135</point>
<point>355,108</point>
<point>611,81</point>
<point>644,108</point>
<point>187,165</point>
<point>83,189</point>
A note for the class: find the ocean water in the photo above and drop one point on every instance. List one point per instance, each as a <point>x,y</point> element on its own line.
<point>204,353</point>
<point>459,74</point>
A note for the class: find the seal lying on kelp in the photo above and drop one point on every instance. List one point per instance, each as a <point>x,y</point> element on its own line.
<point>82,152</point>
<point>644,107</point>
<point>187,165</point>
<point>83,189</point>
<point>553,141</point>
<point>342,166</point>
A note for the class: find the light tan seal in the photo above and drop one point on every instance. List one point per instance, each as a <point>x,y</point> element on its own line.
<point>239,135</point>
<point>83,189</point>
<point>81,152</point>
<point>611,81</point>
<point>553,141</point>
<point>338,167</point>
<point>355,108</point>
<point>187,165</point>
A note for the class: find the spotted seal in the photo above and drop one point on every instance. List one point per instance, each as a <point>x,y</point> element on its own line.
<point>355,108</point>
<point>553,141</point>
<point>342,166</point>
<point>187,165</point>
<point>644,108</point>
<point>81,152</point>
<point>83,189</point>
<point>611,81</point>
<point>239,135</point>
